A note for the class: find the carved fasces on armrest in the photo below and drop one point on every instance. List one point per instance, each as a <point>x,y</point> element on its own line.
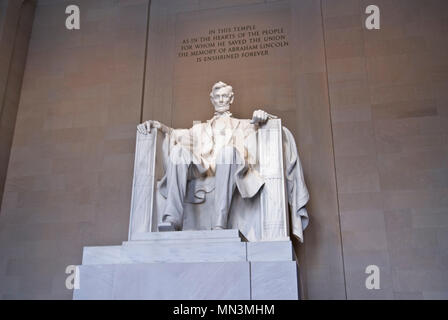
<point>143,186</point>
<point>274,218</point>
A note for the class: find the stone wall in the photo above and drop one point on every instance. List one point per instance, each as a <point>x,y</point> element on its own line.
<point>3,6</point>
<point>16,18</point>
<point>368,110</point>
<point>70,170</point>
<point>388,97</point>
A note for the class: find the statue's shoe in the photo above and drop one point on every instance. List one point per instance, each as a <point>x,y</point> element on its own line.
<point>166,226</point>
<point>218,228</point>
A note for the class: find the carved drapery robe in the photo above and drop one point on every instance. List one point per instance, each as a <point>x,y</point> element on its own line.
<point>205,140</point>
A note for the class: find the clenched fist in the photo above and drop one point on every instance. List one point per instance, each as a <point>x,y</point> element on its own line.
<point>261,117</point>
<point>146,126</point>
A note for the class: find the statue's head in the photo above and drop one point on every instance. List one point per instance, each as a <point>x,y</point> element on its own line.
<point>221,96</point>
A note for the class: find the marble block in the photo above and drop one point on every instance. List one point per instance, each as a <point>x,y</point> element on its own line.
<point>197,235</point>
<point>274,280</point>
<point>189,265</point>
<point>166,252</point>
<point>184,252</point>
<point>95,282</point>
<point>269,251</point>
<point>169,281</point>
<point>101,255</point>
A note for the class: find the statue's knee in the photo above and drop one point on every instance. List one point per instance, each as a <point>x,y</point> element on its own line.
<point>180,155</point>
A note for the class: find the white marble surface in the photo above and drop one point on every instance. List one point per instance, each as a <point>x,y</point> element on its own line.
<point>167,252</point>
<point>184,252</point>
<point>96,282</point>
<point>274,280</point>
<point>189,265</point>
<point>228,280</point>
<point>274,215</point>
<point>269,251</point>
<point>195,249</point>
<point>189,235</point>
<point>169,281</point>
<point>101,255</point>
<point>174,241</point>
<point>143,186</point>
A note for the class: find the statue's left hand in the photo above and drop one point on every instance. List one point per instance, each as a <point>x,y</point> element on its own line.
<point>145,127</point>
<point>261,117</point>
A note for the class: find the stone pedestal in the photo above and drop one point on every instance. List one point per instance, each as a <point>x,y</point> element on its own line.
<point>189,265</point>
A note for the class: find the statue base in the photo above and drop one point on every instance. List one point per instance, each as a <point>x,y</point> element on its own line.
<point>189,265</point>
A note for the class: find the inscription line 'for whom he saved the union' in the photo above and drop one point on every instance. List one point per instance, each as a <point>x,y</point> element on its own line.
<point>233,43</point>
<point>241,48</point>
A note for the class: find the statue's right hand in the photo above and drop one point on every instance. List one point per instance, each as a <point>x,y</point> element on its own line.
<point>145,127</point>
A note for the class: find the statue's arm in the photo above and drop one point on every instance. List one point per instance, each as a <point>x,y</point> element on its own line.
<point>164,128</point>
<point>145,127</point>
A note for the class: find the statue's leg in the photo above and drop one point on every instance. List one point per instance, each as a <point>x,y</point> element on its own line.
<point>227,163</point>
<point>177,172</point>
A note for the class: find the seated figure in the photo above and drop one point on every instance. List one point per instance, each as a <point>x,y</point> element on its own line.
<point>224,148</point>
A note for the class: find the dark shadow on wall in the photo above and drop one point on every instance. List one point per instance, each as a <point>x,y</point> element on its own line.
<point>16,24</point>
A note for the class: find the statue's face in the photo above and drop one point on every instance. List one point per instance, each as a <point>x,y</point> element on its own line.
<point>222,99</point>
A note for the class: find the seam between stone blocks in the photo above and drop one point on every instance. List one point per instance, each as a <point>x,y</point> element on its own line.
<point>250,272</point>
<point>145,62</point>
<point>332,144</point>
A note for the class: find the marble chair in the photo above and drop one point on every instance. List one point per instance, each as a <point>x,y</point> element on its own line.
<point>262,218</point>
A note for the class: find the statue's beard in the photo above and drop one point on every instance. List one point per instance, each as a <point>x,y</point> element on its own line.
<point>222,109</point>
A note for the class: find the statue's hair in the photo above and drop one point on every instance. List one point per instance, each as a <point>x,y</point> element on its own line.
<point>219,85</point>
